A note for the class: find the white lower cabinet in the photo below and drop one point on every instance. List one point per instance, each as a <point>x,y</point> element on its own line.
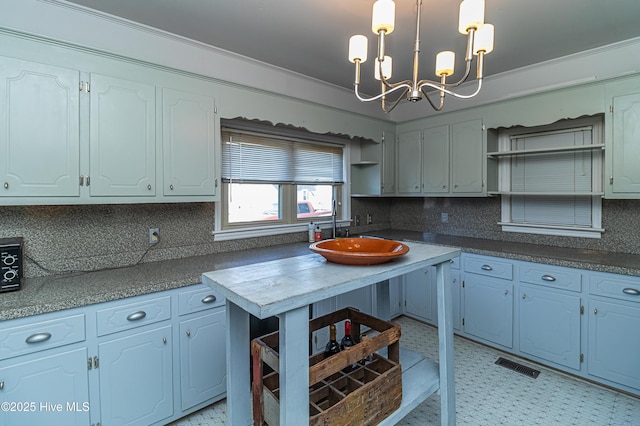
<point>488,309</point>
<point>115,363</point>
<point>614,329</point>
<point>136,380</point>
<point>419,294</point>
<point>549,325</point>
<point>50,388</point>
<point>203,373</point>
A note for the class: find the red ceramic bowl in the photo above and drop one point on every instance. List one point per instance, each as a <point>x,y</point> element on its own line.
<point>359,251</point>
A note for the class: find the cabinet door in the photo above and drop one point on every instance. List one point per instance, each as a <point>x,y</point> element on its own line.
<point>49,390</point>
<point>203,371</point>
<point>188,140</point>
<point>550,325</point>
<point>457,291</point>
<point>614,342</point>
<point>418,294</point>
<point>122,144</point>
<point>408,164</point>
<point>388,163</point>
<point>488,309</point>
<point>40,137</point>
<point>136,378</point>
<point>626,144</point>
<point>435,159</point>
<point>467,157</point>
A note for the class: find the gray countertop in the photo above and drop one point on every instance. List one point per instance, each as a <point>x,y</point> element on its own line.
<point>58,292</point>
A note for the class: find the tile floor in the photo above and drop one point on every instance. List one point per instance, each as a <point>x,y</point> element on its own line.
<point>488,395</point>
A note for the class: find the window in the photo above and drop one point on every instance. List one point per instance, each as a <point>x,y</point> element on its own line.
<point>277,182</point>
<point>551,179</point>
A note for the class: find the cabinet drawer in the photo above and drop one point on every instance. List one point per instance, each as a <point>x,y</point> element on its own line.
<point>488,266</point>
<point>40,335</point>
<point>198,299</point>
<point>617,286</point>
<point>563,278</point>
<point>131,315</point>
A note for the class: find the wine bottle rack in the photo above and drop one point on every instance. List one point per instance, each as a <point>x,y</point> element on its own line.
<point>362,396</point>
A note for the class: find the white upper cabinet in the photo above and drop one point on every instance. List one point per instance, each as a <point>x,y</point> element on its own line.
<point>409,160</point>
<point>40,138</point>
<point>467,158</point>
<point>623,147</point>
<point>188,139</point>
<point>435,160</point>
<point>122,143</point>
<point>110,131</point>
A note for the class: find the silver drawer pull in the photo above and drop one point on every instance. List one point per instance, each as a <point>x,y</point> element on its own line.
<point>209,299</point>
<point>38,337</point>
<point>548,278</point>
<point>631,291</point>
<point>486,268</point>
<point>136,316</point>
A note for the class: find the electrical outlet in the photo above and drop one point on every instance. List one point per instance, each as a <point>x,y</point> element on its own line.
<point>444,217</point>
<point>154,235</point>
<point>369,219</point>
<point>356,220</point>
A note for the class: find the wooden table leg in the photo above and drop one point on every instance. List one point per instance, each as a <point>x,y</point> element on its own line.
<point>294,367</point>
<point>445,343</point>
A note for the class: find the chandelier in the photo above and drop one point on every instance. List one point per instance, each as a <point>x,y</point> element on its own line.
<point>479,43</point>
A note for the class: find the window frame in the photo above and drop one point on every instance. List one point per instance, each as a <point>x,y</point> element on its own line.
<point>289,223</point>
<point>597,170</point>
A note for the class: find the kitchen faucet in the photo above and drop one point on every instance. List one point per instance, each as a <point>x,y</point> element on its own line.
<point>334,213</point>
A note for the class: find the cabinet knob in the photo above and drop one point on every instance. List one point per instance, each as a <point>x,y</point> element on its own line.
<point>506,292</point>
<point>149,187</point>
<point>188,333</point>
<point>524,296</point>
<point>171,187</point>
<point>164,340</point>
<point>6,185</point>
<point>1,385</point>
<point>38,337</point>
<point>210,298</point>
<point>136,316</point>
<point>595,311</point>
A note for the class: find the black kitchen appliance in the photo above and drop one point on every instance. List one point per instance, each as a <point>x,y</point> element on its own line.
<point>11,263</point>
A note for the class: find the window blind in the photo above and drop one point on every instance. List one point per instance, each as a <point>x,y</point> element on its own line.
<point>249,157</point>
<point>569,172</point>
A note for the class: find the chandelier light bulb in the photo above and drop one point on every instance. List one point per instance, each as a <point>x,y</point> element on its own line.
<point>483,41</point>
<point>384,16</point>
<point>471,15</point>
<point>358,48</point>
<point>445,61</point>
<point>387,66</point>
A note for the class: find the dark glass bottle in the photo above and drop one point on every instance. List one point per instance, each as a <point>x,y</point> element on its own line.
<point>347,342</point>
<point>332,347</point>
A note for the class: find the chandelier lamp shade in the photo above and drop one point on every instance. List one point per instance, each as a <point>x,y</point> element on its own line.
<point>479,43</point>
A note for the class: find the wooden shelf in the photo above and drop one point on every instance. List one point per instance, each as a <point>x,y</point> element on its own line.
<point>365,163</point>
<point>497,154</point>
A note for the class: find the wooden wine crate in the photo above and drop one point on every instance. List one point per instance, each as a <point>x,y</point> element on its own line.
<point>339,394</point>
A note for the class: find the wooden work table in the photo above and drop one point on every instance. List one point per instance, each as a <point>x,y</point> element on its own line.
<point>286,287</point>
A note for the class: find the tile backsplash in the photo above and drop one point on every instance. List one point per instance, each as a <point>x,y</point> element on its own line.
<point>77,238</point>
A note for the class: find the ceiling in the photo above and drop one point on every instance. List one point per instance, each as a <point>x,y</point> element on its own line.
<point>311,37</point>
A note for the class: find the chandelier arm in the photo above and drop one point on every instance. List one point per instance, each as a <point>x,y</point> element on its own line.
<point>394,103</point>
<point>381,95</point>
<point>439,88</point>
<point>437,108</point>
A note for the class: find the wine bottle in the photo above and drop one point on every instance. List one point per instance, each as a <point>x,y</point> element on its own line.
<point>347,342</point>
<point>332,347</point>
